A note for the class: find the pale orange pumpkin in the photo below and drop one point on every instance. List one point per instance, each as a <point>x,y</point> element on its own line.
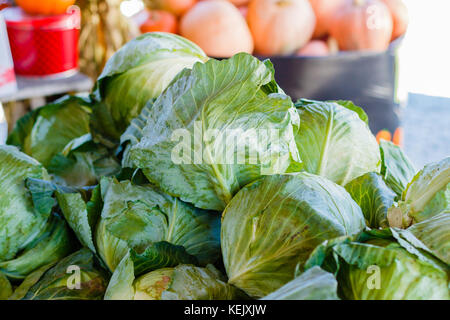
<point>324,11</point>
<point>45,7</point>
<point>314,48</point>
<point>218,28</point>
<point>400,17</point>
<point>363,25</point>
<point>177,7</point>
<point>280,27</point>
<point>239,2</point>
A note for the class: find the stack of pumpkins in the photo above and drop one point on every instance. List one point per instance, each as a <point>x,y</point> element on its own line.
<point>281,27</point>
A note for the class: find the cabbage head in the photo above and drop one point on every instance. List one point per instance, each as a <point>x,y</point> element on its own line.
<point>215,129</point>
<point>274,223</point>
<point>76,277</point>
<point>374,197</point>
<point>314,284</point>
<point>183,282</point>
<point>335,141</point>
<point>135,74</point>
<point>157,229</point>
<point>379,265</point>
<point>427,195</point>
<point>44,132</point>
<point>30,234</point>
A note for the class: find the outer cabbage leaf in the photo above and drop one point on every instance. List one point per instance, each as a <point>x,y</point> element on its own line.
<point>374,197</point>
<point>374,266</point>
<point>276,222</point>
<point>184,282</point>
<point>83,162</point>
<point>5,287</point>
<point>19,223</point>
<point>432,235</point>
<point>335,142</point>
<point>158,230</point>
<point>218,127</point>
<point>139,71</point>
<point>314,284</point>
<point>52,244</point>
<point>427,195</point>
<point>46,131</point>
<point>396,168</point>
<point>76,277</point>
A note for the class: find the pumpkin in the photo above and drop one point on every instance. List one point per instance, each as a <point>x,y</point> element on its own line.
<point>45,7</point>
<point>314,48</point>
<point>160,21</point>
<point>280,27</point>
<point>400,17</point>
<point>177,7</point>
<point>383,135</point>
<point>398,136</point>
<point>362,25</point>
<point>218,28</point>
<point>239,2</point>
<point>324,10</point>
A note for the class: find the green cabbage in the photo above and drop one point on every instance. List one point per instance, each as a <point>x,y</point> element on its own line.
<point>378,265</point>
<point>76,277</point>
<point>184,282</point>
<point>276,222</point>
<point>335,141</point>
<point>374,197</point>
<point>30,235</point>
<point>314,284</point>
<point>138,72</point>
<point>44,133</point>
<point>217,127</point>
<point>157,229</point>
<point>396,169</point>
<point>427,195</point>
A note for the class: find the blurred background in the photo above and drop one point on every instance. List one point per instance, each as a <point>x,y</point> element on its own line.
<point>400,79</point>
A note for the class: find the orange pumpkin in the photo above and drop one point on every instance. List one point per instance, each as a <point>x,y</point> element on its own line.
<point>400,17</point>
<point>280,27</point>
<point>384,135</point>
<point>177,7</point>
<point>314,48</point>
<point>398,136</point>
<point>160,21</point>
<point>239,2</point>
<point>324,10</point>
<point>218,28</point>
<point>45,7</point>
<point>363,25</point>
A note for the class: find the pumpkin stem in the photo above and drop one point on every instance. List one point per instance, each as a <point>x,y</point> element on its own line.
<point>359,3</point>
<point>284,3</point>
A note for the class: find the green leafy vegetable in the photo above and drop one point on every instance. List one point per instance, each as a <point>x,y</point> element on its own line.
<point>159,230</point>
<point>314,284</point>
<point>217,128</point>
<point>45,132</point>
<point>374,197</point>
<point>276,222</point>
<point>184,282</point>
<point>374,266</point>
<point>335,142</point>
<point>427,195</point>
<point>396,167</point>
<point>76,277</point>
<point>138,72</point>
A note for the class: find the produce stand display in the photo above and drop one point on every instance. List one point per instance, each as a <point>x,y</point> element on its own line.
<point>179,176</point>
<point>29,88</point>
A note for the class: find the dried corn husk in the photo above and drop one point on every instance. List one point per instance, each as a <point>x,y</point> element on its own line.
<point>103,31</point>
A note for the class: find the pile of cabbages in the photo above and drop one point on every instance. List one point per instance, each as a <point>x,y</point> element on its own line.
<point>184,177</point>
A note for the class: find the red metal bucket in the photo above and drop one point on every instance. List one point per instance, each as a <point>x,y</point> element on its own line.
<point>43,45</point>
